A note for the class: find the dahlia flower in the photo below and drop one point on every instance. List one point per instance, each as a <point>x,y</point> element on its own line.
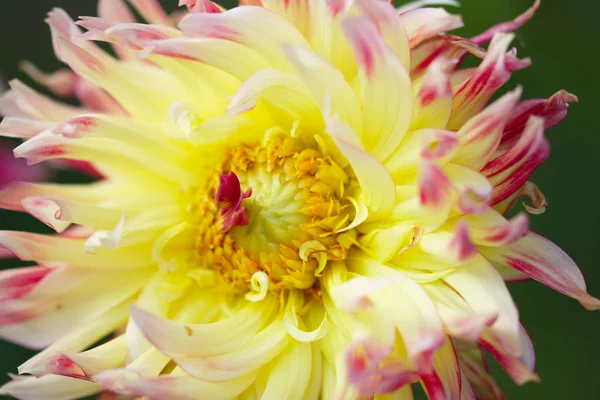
<point>299,200</point>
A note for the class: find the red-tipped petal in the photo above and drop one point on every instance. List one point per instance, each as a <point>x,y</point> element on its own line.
<point>480,136</point>
<point>553,110</point>
<point>542,260</point>
<point>511,170</point>
<point>509,26</point>
<point>494,71</point>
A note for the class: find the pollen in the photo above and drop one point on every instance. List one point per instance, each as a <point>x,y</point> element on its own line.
<point>281,208</point>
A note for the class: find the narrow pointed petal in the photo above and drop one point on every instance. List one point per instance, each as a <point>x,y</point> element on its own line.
<point>509,26</point>
<point>480,136</point>
<point>494,71</point>
<point>511,170</point>
<point>152,11</point>
<point>545,262</point>
<point>519,368</point>
<point>552,110</point>
<point>474,365</point>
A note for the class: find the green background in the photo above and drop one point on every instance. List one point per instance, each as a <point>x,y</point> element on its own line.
<point>562,40</point>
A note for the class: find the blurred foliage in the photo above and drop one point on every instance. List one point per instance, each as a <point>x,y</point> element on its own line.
<point>562,41</point>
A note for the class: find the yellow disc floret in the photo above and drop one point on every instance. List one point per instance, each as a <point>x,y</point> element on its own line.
<point>295,215</point>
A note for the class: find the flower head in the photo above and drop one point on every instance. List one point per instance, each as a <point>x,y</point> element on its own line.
<point>301,199</point>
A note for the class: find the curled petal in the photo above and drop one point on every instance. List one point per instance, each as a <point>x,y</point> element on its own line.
<point>390,242</point>
<point>552,110</point>
<point>533,193</point>
<point>106,239</point>
<point>542,260</point>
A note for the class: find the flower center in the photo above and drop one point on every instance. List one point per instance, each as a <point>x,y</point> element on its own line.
<point>278,210</point>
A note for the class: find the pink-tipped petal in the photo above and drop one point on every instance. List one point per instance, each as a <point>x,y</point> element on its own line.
<point>509,26</point>
<point>200,6</point>
<point>60,82</point>
<point>63,365</point>
<point>552,110</point>
<point>542,260</point>
<point>480,136</point>
<point>372,373</point>
<point>152,11</point>
<point>512,169</point>
<point>16,283</point>
<point>519,368</point>
<point>453,247</point>
<point>115,10</point>
<point>439,146</point>
<point>23,128</point>
<point>434,187</point>
<point>383,15</point>
<point>432,105</point>
<point>490,228</point>
<point>475,368</point>
<point>494,71</point>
